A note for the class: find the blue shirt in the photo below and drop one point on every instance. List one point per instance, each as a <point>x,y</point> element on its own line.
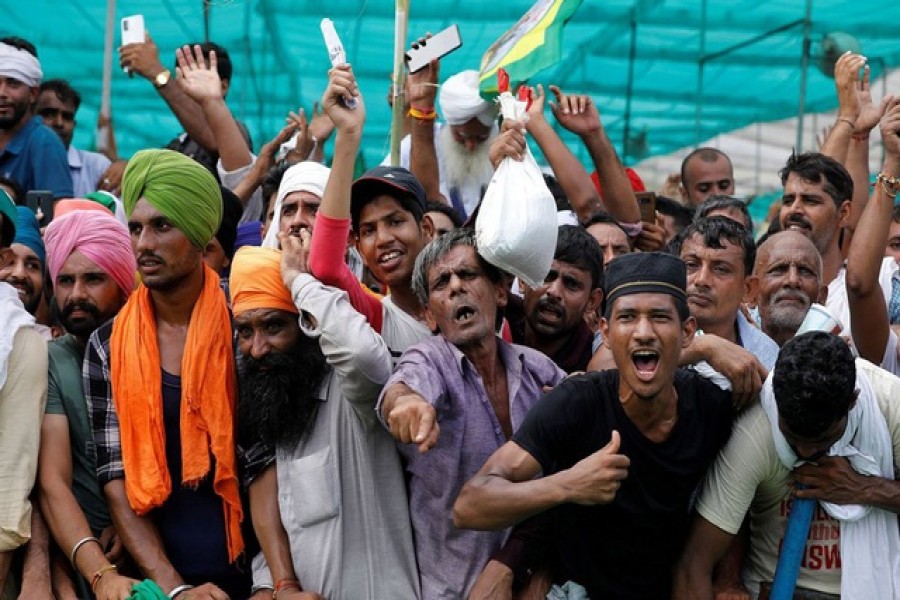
<point>36,159</point>
<point>86,169</point>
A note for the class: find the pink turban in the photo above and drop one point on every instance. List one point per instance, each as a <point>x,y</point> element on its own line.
<point>100,237</point>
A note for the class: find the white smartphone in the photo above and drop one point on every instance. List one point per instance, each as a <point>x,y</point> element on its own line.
<point>336,53</point>
<point>133,30</point>
<point>132,33</point>
<point>435,47</point>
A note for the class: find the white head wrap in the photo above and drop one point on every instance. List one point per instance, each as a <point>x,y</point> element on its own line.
<point>20,65</point>
<point>307,176</point>
<point>460,102</point>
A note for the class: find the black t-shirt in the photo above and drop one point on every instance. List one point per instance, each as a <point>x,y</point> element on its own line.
<point>626,549</point>
<point>192,521</point>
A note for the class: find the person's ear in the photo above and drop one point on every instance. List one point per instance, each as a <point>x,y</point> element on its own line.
<point>689,328</point>
<point>844,213</point>
<point>594,301</point>
<point>502,294</point>
<point>430,320</point>
<point>751,290</point>
<point>823,295</point>
<point>428,228</point>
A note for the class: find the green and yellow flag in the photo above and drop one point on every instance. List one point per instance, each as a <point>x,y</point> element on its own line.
<point>531,45</point>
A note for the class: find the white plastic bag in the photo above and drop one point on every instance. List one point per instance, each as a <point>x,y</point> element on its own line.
<point>516,225</point>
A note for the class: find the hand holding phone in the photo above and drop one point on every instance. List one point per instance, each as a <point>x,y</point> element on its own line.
<point>433,48</point>
<point>647,204</point>
<point>336,54</point>
<point>132,32</point>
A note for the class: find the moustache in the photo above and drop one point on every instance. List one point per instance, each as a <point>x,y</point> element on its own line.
<point>552,305</point>
<point>87,307</point>
<point>784,294</point>
<point>796,219</point>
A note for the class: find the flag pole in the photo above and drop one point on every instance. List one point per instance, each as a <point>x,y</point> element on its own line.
<point>102,136</point>
<point>401,21</point>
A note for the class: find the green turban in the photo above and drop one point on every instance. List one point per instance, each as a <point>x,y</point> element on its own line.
<point>178,187</point>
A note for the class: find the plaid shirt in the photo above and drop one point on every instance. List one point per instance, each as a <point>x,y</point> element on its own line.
<point>101,410</point>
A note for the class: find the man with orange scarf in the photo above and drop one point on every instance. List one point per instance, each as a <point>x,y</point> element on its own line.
<point>160,385</point>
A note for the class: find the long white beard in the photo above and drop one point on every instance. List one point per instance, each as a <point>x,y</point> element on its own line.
<point>459,166</point>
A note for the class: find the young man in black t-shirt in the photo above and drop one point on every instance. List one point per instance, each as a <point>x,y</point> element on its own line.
<point>621,452</point>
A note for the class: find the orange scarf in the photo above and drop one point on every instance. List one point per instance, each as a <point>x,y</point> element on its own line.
<point>207,406</point>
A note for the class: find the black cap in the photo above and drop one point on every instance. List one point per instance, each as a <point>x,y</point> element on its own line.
<point>646,272</point>
<point>390,181</point>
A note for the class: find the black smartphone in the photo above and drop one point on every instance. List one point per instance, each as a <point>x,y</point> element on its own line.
<point>41,200</point>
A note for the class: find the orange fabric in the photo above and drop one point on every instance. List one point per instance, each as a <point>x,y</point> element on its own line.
<point>67,205</point>
<point>207,407</point>
<point>256,282</point>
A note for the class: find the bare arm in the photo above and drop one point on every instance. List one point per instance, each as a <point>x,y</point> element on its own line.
<point>143,59</point>
<point>64,516</point>
<point>36,566</point>
<point>579,115</point>
<point>423,163</point>
<point>569,172</point>
<point>141,538</point>
<point>706,545</point>
<point>349,125</point>
<point>868,311</point>
<point>505,492</point>
<point>204,87</point>
<point>268,526</point>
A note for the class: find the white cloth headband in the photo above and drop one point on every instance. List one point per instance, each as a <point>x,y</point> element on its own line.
<point>460,101</point>
<point>20,65</point>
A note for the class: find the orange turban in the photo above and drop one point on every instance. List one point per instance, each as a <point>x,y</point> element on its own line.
<point>256,281</point>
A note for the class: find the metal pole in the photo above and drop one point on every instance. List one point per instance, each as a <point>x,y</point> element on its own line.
<point>630,88</point>
<point>207,5</point>
<point>698,103</point>
<point>101,137</point>
<point>804,66</point>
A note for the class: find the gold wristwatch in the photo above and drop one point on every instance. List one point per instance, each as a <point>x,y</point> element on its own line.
<point>162,79</point>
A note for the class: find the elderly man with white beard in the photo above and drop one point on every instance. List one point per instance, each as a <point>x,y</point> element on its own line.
<point>455,152</point>
<point>786,281</point>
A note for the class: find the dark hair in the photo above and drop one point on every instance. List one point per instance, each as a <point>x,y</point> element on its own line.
<point>223,60</point>
<point>895,214</point>
<point>601,216</point>
<point>681,214</point>
<point>20,43</point>
<point>706,154</point>
<point>559,195</point>
<point>18,192</point>
<point>440,247</point>
<point>271,183</point>
<point>814,382</point>
<point>717,202</point>
<point>446,210</point>
<point>814,167</point>
<point>64,92</point>
<point>578,248</point>
<point>714,230</point>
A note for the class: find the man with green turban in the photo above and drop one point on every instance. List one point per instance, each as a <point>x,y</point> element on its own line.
<point>161,389</point>
<point>173,184</point>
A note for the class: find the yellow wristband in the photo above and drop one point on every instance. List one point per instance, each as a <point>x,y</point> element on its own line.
<point>415,113</point>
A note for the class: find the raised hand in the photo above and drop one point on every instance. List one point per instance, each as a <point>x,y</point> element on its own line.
<point>596,478</point>
<point>536,110</point>
<point>846,78</point>
<point>342,84</point>
<point>509,144</point>
<point>142,59</point>
<point>320,126</point>
<point>304,143</point>
<point>890,129</point>
<point>869,114</point>
<point>421,86</point>
<point>199,81</point>
<point>576,112</point>
<point>414,421</point>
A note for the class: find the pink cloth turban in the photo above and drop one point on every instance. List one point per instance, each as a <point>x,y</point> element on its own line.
<point>97,235</point>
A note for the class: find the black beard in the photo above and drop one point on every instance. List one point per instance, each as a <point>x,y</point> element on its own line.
<point>278,396</point>
<point>83,327</point>
<point>19,111</point>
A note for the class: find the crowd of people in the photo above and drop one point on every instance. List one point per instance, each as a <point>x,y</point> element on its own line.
<point>227,374</point>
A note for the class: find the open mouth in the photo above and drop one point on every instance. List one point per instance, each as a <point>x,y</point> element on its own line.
<point>797,225</point>
<point>464,314</point>
<point>646,363</point>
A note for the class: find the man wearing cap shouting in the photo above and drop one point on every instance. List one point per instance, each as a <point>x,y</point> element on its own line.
<point>23,391</point>
<point>328,498</point>
<point>621,452</point>
<point>30,152</point>
<point>160,386</point>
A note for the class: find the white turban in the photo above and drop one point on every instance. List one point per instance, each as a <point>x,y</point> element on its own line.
<point>460,102</point>
<point>307,176</point>
<point>20,65</point>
